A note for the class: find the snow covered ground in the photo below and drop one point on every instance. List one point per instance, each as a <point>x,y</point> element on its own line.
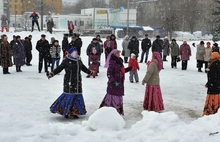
<point>27,96</point>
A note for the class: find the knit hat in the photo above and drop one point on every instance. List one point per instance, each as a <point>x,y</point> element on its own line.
<point>43,35</point>
<point>208,43</point>
<point>133,37</point>
<point>157,36</point>
<point>71,50</point>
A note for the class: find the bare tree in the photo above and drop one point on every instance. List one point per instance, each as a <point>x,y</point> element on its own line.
<point>117,3</point>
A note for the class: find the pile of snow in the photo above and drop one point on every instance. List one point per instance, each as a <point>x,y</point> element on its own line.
<point>179,35</point>
<point>106,118</point>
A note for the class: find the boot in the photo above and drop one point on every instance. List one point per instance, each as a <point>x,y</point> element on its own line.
<point>7,29</point>
<point>199,70</point>
<point>32,29</point>
<point>2,29</point>
<point>19,69</point>
<point>94,74</point>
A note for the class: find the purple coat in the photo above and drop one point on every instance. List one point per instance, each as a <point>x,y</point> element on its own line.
<point>185,52</point>
<point>94,62</point>
<point>166,47</point>
<point>19,53</point>
<point>115,73</point>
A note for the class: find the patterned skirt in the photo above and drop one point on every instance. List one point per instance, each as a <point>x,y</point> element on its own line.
<point>69,104</point>
<point>153,100</point>
<point>113,101</point>
<point>212,104</point>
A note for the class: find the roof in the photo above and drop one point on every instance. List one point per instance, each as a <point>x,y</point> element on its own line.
<point>124,27</point>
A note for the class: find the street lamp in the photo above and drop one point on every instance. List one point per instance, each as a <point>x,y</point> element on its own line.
<point>128,7</point>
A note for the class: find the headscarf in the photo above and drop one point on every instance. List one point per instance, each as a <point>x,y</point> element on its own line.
<point>109,57</point>
<point>156,55</point>
<point>216,55</point>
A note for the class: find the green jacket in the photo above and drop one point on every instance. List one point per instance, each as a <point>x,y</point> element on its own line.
<point>174,49</point>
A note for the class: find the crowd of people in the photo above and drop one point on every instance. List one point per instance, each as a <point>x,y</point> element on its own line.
<point>71,102</point>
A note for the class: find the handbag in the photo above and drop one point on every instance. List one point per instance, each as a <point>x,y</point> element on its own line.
<point>178,59</point>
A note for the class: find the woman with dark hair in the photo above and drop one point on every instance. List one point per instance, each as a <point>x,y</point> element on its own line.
<point>71,102</point>
<point>116,75</point>
<point>113,38</point>
<point>153,97</point>
<point>212,103</point>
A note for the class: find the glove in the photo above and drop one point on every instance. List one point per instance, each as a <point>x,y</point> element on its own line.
<point>49,75</point>
<point>91,73</point>
<point>57,54</point>
<point>116,83</point>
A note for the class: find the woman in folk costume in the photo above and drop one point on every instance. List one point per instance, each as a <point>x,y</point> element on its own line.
<point>116,75</point>
<point>71,102</point>
<point>212,103</point>
<point>153,97</point>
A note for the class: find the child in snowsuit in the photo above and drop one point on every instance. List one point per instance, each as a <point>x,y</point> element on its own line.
<point>134,64</point>
<point>94,63</point>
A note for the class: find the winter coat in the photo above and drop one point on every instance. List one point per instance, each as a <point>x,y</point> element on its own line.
<point>215,49</point>
<point>101,45</point>
<point>19,53</point>
<point>92,45</point>
<point>185,52</point>
<point>115,43</point>
<point>115,73</point>
<point>166,45</point>
<point>48,17</point>
<point>146,44</point>
<point>71,26</point>
<point>94,62</point>
<point>72,44</point>
<point>4,20</point>
<point>5,54</point>
<point>43,47</point>
<point>72,79</point>
<point>207,54</point>
<point>79,44</point>
<point>213,76</point>
<point>27,47</point>
<point>174,49</point>
<point>12,44</point>
<point>125,48</point>
<point>55,51</point>
<point>34,17</point>
<point>200,52</point>
<point>157,46</point>
<point>134,64</point>
<point>65,44</point>
<point>133,46</point>
<point>152,75</point>
<point>50,25</point>
<point>109,46</point>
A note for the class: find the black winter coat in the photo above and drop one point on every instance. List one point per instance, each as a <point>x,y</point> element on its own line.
<point>79,43</point>
<point>213,75</point>
<point>97,47</point>
<point>27,46</point>
<point>12,44</point>
<point>157,46</point>
<point>145,44</point>
<point>72,79</point>
<point>43,47</point>
<point>133,46</point>
<point>72,44</point>
<point>65,44</point>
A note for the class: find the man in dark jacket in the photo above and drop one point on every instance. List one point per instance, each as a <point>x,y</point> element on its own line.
<point>73,42</point>
<point>35,18</point>
<point>94,44</point>
<point>158,45</point>
<point>215,48</point>
<point>28,49</point>
<point>13,41</point>
<point>43,48</point>
<point>78,44</point>
<point>145,46</point>
<point>133,46</point>
<point>65,44</point>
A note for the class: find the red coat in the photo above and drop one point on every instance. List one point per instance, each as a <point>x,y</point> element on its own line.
<point>107,50</point>
<point>134,64</point>
<point>70,26</point>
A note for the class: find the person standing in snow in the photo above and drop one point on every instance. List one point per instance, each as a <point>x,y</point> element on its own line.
<point>19,53</point>
<point>157,45</point>
<point>116,75</point>
<point>166,48</point>
<point>145,46</point>
<point>79,44</point>
<point>134,64</point>
<point>94,63</point>
<point>35,18</point>
<point>108,46</point>
<point>65,44</point>
<point>5,54</point>
<point>200,55</point>
<point>28,49</point>
<point>43,48</point>
<point>12,42</point>
<point>4,23</point>
<point>70,102</point>
<point>50,25</point>
<point>174,53</point>
<point>101,46</point>
<point>215,48</point>
<point>55,54</point>
<point>94,44</point>
<point>133,46</point>
<point>70,28</point>
<point>207,54</point>
<point>113,38</point>
<point>153,100</point>
<point>47,18</point>
<point>185,53</point>
<point>126,52</point>
<point>212,103</point>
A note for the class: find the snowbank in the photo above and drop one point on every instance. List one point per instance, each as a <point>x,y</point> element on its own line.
<point>106,118</point>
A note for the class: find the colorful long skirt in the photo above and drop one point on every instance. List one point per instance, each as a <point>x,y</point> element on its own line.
<point>113,101</point>
<point>212,104</point>
<point>153,100</point>
<point>69,104</point>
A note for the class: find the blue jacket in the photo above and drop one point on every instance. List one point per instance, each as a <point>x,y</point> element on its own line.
<point>34,17</point>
